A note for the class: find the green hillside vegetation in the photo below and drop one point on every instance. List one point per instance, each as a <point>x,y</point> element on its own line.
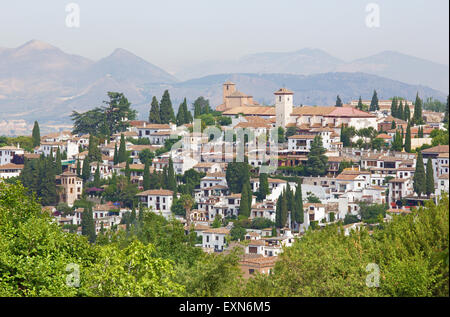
<point>154,257</point>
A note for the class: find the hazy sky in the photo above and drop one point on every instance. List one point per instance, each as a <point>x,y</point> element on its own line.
<point>175,32</point>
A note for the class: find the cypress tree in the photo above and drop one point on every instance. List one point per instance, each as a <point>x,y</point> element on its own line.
<point>298,201</point>
<point>393,125</point>
<point>171,178</point>
<point>244,208</point>
<point>417,117</point>
<point>374,102</point>
<point>78,168</point>
<point>146,178</point>
<point>317,160</point>
<point>166,110</point>
<point>116,155</point>
<point>394,107</point>
<point>46,183</point>
<point>94,153</point>
<point>400,111</point>
<point>86,170</point>
<point>58,164</point>
<point>88,225</point>
<point>284,210</point>
<point>338,101</point>
<point>181,115</point>
<point>155,181</point>
<point>36,135</point>
<point>249,195</point>
<point>407,113</point>
<point>419,180</point>
<point>127,170</point>
<point>263,185</point>
<point>165,178</point>
<point>397,143</point>
<point>360,104</point>
<point>122,149</point>
<point>97,176</point>
<point>154,115</point>
<point>429,178</point>
<point>408,139</point>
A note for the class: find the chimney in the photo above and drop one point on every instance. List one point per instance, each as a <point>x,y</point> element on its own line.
<point>145,124</point>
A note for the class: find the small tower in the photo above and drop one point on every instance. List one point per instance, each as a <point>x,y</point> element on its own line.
<point>283,106</point>
<point>228,89</point>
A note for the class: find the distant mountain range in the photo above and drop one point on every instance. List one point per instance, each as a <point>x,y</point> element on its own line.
<point>393,65</point>
<point>40,82</point>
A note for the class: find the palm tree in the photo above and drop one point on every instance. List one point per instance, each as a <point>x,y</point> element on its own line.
<point>187,202</point>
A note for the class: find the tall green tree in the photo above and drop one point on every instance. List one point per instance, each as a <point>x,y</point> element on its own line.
<point>401,113</point>
<point>58,164</point>
<point>146,178</point>
<point>281,212</point>
<point>122,149</point>
<point>237,174</point>
<point>78,168</point>
<point>417,117</point>
<point>374,102</point>
<point>338,101</point>
<point>166,110</point>
<point>86,170</point>
<point>127,170</point>
<point>97,176</point>
<point>244,208</point>
<point>407,113</point>
<point>201,106</point>
<point>94,153</point>
<point>298,202</point>
<point>429,178</point>
<point>263,185</point>
<point>317,160</point>
<point>36,135</point>
<point>360,105</point>
<point>184,115</point>
<point>116,155</point>
<point>394,107</point>
<point>408,138</point>
<point>154,115</point>
<point>171,178</point>
<point>397,142</point>
<point>88,225</point>
<point>419,180</point>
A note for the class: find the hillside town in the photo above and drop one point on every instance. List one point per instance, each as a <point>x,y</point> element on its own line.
<point>241,174</point>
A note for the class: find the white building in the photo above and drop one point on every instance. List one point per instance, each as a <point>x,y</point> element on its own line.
<point>214,238</point>
<point>7,153</point>
<point>158,200</point>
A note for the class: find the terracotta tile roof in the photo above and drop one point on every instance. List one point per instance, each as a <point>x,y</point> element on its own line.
<point>156,126</point>
<point>283,91</point>
<point>302,136</point>
<point>384,136</point>
<point>217,231</point>
<point>437,149</point>
<point>11,166</point>
<point>251,110</point>
<point>156,192</point>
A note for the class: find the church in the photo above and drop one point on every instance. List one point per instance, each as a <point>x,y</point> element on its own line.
<point>285,114</point>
